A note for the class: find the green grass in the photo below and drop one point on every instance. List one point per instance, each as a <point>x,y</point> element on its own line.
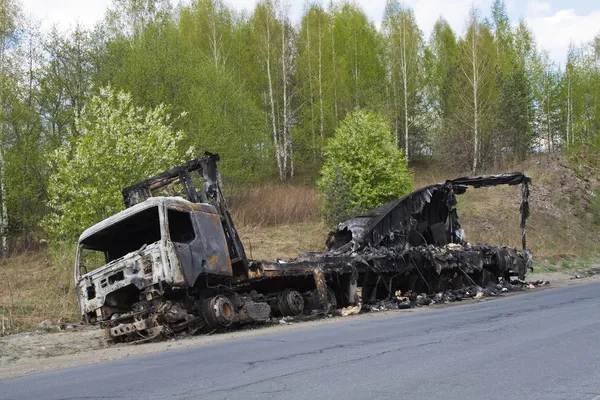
<point>568,263</point>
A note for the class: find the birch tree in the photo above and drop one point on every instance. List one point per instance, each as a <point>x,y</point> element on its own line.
<point>275,55</point>
<point>131,17</point>
<point>9,20</point>
<point>476,69</point>
<point>25,143</point>
<point>139,36</point>
<point>588,94</point>
<point>504,38</point>
<point>207,26</point>
<point>568,78</point>
<point>212,82</point>
<point>288,60</point>
<point>358,50</point>
<point>440,61</point>
<point>404,47</point>
<point>511,128</point>
<point>65,80</point>
<point>524,49</point>
<point>546,87</point>
<point>315,78</point>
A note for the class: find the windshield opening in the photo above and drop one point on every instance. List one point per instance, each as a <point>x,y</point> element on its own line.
<point>126,236</point>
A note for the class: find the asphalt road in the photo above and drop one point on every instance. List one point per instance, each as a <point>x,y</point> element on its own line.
<point>541,345</point>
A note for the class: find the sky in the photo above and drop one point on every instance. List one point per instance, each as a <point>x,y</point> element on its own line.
<point>555,23</point>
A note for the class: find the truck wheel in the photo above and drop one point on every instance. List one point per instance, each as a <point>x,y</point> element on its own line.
<point>218,312</point>
<point>290,302</point>
<point>331,299</point>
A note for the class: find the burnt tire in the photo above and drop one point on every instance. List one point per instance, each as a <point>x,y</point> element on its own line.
<point>218,312</point>
<point>290,302</point>
<point>332,303</point>
<point>332,299</point>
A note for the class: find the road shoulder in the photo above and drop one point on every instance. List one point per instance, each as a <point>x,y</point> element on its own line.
<point>35,352</point>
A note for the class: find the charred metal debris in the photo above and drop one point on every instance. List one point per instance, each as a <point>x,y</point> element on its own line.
<point>176,263</point>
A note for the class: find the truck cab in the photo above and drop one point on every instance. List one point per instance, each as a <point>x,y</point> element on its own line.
<point>161,244</point>
<point>160,265</point>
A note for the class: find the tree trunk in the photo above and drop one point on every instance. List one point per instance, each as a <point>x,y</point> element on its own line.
<point>3,210</point>
<point>549,135</point>
<point>475,109</point>
<point>405,83</point>
<point>397,130</point>
<point>213,41</point>
<point>310,88</point>
<point>550,144</point>
<point>335,102</point>
<point>320,80</point>
<point>272,103</point>
<point>285,109</point>
<point>4,216</point>
<point>355,72</point>
<point>569,105</point>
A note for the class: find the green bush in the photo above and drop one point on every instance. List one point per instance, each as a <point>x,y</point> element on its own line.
<point>585,161</point>
<point>594,207</point>
<point>363,169</point>
<point>115,144</point>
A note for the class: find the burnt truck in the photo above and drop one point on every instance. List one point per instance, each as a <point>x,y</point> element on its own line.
<point>173,261</point>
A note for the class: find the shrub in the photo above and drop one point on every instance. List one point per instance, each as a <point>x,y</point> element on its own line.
<point>363,169</point>
<point>115,144</point>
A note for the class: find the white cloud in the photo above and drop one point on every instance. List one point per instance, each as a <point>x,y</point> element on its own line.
<point>536,8</point>
<point>427,12</point>
<point>66,13</point>
<point>455,12</point>
<point>555,31</point>
<point>247,5</point>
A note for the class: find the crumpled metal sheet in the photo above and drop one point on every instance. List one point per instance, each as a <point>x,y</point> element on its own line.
<point>434,205</point>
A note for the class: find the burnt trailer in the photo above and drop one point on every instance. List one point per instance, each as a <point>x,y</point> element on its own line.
<point>173,260</point>
<point>413,244</point>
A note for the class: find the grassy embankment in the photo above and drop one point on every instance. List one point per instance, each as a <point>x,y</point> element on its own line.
<point>282,221</point>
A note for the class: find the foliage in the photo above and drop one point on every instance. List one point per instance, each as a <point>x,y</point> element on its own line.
<point>404,55</point>
<point>223,116</point>
<point>440,65</point>
<point>115,145</point>
<point>586,164</point>
<point>364,168</point>
<point>267,94</point>
<point>315,73</point>
<point>595,207</point>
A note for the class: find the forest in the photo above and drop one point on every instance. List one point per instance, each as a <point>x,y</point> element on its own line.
<point>266,93</point>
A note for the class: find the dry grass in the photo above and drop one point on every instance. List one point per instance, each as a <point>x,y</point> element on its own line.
<point>283,241</point>
<point>36,287</point>
<point>278,221</point>
<point>557,228</point>
<point>272,205</point>
<point>492,215</point>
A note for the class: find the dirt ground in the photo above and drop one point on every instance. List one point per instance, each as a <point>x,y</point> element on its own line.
<point>33,352</point>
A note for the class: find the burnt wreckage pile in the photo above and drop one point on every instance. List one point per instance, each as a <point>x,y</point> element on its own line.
<point>412,245</point>
<point>176,263</point>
